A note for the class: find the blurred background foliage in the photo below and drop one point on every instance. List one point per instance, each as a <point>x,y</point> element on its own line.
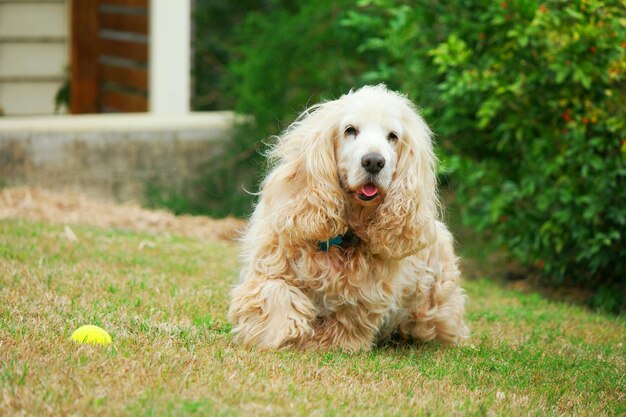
<point>527,98</point>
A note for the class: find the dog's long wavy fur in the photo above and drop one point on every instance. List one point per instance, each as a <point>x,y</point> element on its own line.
<point>402,277</point>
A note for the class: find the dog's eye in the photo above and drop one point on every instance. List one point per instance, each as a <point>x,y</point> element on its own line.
<point>351,131</point>
<point>392,137</point>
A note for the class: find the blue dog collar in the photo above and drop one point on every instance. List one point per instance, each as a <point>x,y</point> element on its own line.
<point>326,244</point>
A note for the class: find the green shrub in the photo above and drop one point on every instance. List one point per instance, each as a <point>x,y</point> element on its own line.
<point>530,97</point>
<point>213,39</point>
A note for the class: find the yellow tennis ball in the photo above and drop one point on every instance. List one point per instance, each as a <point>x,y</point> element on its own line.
<point>91,334</point>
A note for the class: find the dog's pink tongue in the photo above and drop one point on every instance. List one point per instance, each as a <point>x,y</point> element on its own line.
<point>369,190</point>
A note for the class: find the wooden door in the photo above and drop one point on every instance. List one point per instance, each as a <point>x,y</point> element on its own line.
<point>109,56</point>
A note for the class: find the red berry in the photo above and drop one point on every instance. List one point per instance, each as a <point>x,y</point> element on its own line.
<point>567,115</point>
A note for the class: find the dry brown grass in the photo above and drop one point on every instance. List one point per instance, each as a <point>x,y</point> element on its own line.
<point>73,208</point>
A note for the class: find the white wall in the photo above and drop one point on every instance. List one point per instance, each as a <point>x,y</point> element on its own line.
<point>33,54</point>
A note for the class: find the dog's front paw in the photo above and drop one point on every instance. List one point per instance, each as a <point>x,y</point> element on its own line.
<point>271,331</point>
<point>285,331</point>
<point>270,314</point>
<point>330,333</point>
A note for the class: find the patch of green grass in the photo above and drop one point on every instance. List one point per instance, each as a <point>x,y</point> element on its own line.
<point>164,303</point>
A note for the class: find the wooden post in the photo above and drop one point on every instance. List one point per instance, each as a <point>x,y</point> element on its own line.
<point>84,56</point>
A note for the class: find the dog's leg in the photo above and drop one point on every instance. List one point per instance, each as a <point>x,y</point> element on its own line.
<point>436,311</point>
<point>440,318</point>
<point>269,313</point>
<point>352,330</point>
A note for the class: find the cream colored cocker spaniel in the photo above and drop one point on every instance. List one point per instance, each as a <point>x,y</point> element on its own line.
<point>345,247</point>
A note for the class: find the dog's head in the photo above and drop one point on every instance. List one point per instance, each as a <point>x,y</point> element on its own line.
<point>370,148</point>
<point>371,134</point>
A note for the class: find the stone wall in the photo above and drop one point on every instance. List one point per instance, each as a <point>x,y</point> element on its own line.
<point>110,157</point>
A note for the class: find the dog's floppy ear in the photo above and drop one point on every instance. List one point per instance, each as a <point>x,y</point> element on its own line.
<point>302,192</point>
<point>405,222</point>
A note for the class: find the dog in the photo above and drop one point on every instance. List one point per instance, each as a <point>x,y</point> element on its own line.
<point>345,247</point>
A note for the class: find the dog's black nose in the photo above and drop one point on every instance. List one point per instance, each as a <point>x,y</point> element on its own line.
<point>373,162</point>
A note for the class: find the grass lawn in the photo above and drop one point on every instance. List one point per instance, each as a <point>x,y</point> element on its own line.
<point>163,299</point>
